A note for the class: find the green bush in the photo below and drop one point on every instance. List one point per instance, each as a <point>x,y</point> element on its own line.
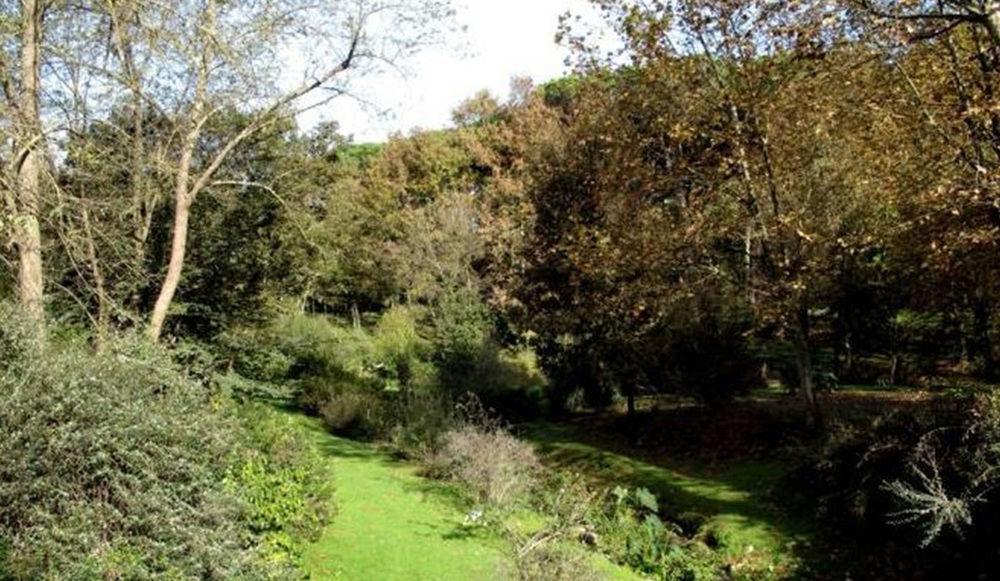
<point>251,353</point>
<point>112,466</point>
<point>632,533</point>
<point>399,354</point>
<point>326,358</point>
<point>283,478</point>
<point>462,332</point>
<point>354,414</point>
<point>413,422</point>
<point>19,342</point>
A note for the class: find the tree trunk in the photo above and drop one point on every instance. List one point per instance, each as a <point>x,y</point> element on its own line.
<point>102,322</point>
<point>178,250</point>
<point>27,232</point>
<point>183,199</point>
<point>803,360</point>
<point>992,9</point>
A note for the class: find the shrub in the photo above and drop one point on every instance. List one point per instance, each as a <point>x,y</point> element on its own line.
<point>20,344</point>
<point>510,382</point>
<point>284,480</point>
<point>413,422</point>
<point>632,533</point>
<point>112,466</point>
<point>252,354</point>
<point>462,332</point>
<point>355,414</point>
<point>915,493</point>
<point>399,354</point>
<point>555,563</point>
<point>498,468</point>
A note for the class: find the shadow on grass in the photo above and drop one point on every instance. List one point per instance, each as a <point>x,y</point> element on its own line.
<point>733,495</point>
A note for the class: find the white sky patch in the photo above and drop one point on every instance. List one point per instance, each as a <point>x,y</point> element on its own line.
<point>502,39</point>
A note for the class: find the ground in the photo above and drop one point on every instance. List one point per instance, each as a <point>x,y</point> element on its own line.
<point>391,524</point>
<point>732,496</point>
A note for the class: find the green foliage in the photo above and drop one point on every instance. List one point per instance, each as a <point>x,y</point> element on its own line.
<point>284,480</point>
<point>358,414</point>
<point>19,342</point>
<point>112,466</point>
<point>326,358</point>
<point>399,353</point>
<point>632,531</point>
<point>414,422</point>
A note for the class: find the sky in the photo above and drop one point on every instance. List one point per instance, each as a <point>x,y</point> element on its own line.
<point>502,39</point>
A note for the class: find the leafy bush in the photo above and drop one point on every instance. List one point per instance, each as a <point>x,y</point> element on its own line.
<point>413,422</point>
<point>326,358</point>
<point>510,382</point>
<point>633,533</point>
<point>251,353</point>
<point>112,466</point>
<point>355,414</point>
<point>399,354</point>
<point>283,478</point>
<point>462,338</point>
<point>19,342</point>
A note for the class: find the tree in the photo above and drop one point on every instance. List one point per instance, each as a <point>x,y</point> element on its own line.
<point>211,46</point>
<point>24,165</point>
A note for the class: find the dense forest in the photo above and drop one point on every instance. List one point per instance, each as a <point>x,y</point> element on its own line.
<point>720,303</point>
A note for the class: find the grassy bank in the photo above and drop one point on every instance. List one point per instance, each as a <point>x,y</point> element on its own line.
<point>731,496</point>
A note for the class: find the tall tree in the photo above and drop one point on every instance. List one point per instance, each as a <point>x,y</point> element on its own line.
<point>21,87</point>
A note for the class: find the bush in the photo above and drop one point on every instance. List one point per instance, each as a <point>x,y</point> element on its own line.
<point>632,533</point>
<point>413,422</point>
<point>917,494</point>
<point>399,354</point>
<point>283,478</point>
<point>326,358</point>
<point>498,469</point>
<point>112,466</point>
<point>555,563</point>
<point>19,342</point>
<point>354,414</point>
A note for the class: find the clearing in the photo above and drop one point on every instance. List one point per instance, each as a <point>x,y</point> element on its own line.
<point>391,524</point>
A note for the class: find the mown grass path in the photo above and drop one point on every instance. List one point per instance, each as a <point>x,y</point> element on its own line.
<point>391,524</point>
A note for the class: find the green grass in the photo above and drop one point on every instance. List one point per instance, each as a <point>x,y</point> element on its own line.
<point>731,495</point>
<point>391,524</point>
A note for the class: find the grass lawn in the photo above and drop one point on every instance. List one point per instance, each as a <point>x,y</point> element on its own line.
<point>391,524</point>
<point>731,494</point>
